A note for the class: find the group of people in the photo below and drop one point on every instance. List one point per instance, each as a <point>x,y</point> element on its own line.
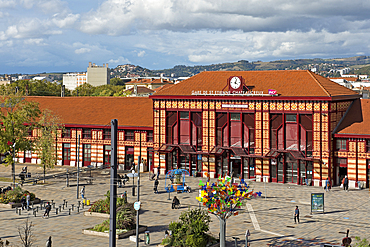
<point>344,184</point>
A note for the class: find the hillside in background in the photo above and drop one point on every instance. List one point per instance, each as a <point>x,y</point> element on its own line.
<point>324,67</point>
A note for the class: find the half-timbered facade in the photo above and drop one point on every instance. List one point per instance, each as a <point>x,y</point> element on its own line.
<point>274,126</point>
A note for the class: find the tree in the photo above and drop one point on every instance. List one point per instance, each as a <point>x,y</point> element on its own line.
<point>18,118</point>
<point>116,81</point>
<point>223,199</point>
<point>45,144</point>
<point>25,234</point>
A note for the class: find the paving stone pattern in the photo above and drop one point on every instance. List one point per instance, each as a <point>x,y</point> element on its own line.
<point>274,224</point>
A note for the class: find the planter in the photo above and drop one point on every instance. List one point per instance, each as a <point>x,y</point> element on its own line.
<point>118,236</point>
<point>18,205</point>
<point>94,214</point>
<point>175,186</point>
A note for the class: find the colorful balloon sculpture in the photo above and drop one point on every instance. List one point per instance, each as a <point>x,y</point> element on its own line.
<point>223,197</point>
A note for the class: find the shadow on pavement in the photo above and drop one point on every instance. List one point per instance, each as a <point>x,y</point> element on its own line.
<point>298,242</point>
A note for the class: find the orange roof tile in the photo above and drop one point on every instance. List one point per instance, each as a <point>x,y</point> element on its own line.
<point>285,82</point>
<point>129,111</point>
<point>357,120</point>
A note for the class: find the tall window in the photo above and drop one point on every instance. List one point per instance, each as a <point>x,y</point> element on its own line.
<point>248,132</point>
<point>276,123</point>
<point>291,132</point>
<point>305,127</point>
<point>106,134</point>
<point>222,133</point>
<point>149,136</point>
<point>184,128</point>
<point>368,146</point>
<point>171,127</point>
<point>86,133</point>
<point>196,130</point>
<point>87,154</point>
<point>235,130</point>
<point>341,144</point>
<point>129,135</point>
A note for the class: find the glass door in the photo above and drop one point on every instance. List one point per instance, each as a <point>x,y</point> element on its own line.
<point>129,157</point>
<point>302,172</point>
<point>246,168</point>
<point>280,169</point>
<point>107,154</point>
<point>66,154</point>
<point>87,154</point>
<point>273,170</point>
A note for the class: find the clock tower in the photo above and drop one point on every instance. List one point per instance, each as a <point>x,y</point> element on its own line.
<point>235,84</point>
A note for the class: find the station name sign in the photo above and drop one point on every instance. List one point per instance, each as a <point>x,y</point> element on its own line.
<point>271,92</point>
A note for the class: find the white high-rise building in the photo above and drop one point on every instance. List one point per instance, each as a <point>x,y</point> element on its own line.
<point>73,80</point>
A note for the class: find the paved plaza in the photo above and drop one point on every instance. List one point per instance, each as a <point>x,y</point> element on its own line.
<point>269,220</point>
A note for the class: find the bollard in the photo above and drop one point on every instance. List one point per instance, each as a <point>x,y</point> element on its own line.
<point>32,204</point>
<point>19,212</point>
<point>64,201</point>
<point>66,204</point>
<point>56,211</point>
<point>53,204</point>
<point>83,206</point>
<point>52,201</point>
<point>147,238</point>
<point>63,206</point>
<point>79,203</point>
<point>41,206</point>
<point>78,209</point>
<point>60,208</point>
<point>72,207</point>
<point>16,210</point>
<point>34,213</point>
<point>69,211</point>
<point>247,234</point>
<point>37,208</point>
<point>235,241</point>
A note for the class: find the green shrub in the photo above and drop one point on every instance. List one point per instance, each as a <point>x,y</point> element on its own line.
<point>191,230</point>
<point>125,219</point>
<point>15,195</point>
<point>103,206</point>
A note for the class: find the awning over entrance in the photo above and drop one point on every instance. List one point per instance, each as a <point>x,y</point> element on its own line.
<point>273,153</point>
<point>296,154</point>
<point>165,148</point>
<point>239,151</point>
<point>218,150</point>
<point>187,149</point>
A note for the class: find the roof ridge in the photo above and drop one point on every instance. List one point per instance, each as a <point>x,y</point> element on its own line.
<point>317,81</point>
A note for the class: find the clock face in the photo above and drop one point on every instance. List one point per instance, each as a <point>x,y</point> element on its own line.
<point>235,82</point>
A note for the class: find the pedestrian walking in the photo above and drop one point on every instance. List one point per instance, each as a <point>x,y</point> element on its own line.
<point>28,199</point>
<point>156,183</point>
<point>48,242</point>
<point>345,183</point>
<point>23,202</point>
<point>158,170</point>
<point>47,210</point>
<point>327,184</point>
<point>83,192</point>
<point>296,215</point>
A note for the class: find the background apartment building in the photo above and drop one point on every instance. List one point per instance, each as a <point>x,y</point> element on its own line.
<point>97,75</point>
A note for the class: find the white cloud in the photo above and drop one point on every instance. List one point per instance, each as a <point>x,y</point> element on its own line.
<point>141,53</point>
<point>82,50</point>
<point>119,61</point>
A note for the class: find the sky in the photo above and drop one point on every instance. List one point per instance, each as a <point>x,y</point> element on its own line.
<point>39,36</point>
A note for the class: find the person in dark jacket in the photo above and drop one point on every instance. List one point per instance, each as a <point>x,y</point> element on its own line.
<point>296,215</point>
<point>156,183</point>
<point>175,203</point>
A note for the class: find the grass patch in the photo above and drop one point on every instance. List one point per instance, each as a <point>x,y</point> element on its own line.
<point>4,179</point>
